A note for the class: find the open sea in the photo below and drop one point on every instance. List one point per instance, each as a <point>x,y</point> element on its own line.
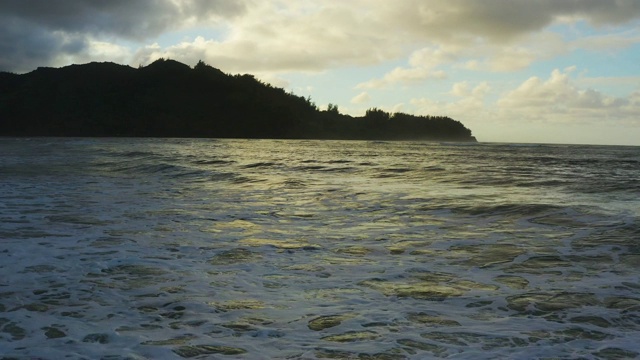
<point>294,249</point>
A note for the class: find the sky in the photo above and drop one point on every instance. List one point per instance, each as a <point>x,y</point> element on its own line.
<point>533,71</point>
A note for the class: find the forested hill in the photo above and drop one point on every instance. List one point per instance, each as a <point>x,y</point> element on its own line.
<point>171,99</point>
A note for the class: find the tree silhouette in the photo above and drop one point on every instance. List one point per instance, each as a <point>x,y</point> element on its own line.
<point>170,99</point>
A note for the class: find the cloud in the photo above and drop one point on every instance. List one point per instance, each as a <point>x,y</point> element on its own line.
<point>501,21</point>
<point>556,99</point>
<point>463,90</point>
<point>606,42</point>
<point>361,98</point>
<point>96,50</point>
<point>402,75</point>
<point>601,12</point>
<point>319,35</point>
<point>286,36</point>
<point>311,35</point>
<point>554,94</point>
<point>38,33</point>
<point>552,109</point>
<point>422,66</point>
<point>131,19</point>
<point>486,56</point>
<point>433,62</point>
<point>559,99</point>
<point>36,48</point>
<point>619,83</point>
<point>469,101</point>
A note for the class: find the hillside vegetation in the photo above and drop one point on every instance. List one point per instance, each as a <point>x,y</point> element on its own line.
<point>171,99</point>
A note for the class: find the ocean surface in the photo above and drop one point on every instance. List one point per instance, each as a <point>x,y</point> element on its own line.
<point>265,249</point>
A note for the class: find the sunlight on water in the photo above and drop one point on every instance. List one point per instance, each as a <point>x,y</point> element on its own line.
<point>183,248</point>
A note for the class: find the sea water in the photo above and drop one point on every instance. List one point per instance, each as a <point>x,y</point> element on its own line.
<point>292,249</point>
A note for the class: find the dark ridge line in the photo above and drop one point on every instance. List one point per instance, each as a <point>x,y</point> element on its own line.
<point>170,99</point>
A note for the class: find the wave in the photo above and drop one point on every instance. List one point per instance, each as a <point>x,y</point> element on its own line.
<point>131,154</point>
<point>147,168</point>
<point>213,162</point>
<point>265,164</point>
<point>521,210</point>
<point>392,172</point>
<point>340,169</point>
<point>434,168</point>
<point>239,179</point>
<point>310,168</point>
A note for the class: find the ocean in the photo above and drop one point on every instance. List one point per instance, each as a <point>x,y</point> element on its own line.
<point>297,249</point>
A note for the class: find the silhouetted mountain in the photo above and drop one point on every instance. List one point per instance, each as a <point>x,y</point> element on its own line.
<point>170,99</point>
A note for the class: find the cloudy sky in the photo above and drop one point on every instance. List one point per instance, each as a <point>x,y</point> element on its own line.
<point>548,71</point>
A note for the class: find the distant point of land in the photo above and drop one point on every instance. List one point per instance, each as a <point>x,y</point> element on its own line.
<point>170,99</point>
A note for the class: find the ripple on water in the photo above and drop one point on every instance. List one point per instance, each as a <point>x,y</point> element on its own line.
<point>351,336</point>
<point>234,256</point>
<point>328,321</point>
<point>419,290</point>
<point>512,281</point>
<point>546,302</point>
<point>431,320</point>
<point>540,265</point>
<point>241,304</point>
<point>487,255</point>
<point>197,350</point>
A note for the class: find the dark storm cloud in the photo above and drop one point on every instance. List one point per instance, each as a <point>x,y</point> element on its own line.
<point>24,46</point>
<point>35,31</point>
<point>132,19</point>
<point>504,20</point>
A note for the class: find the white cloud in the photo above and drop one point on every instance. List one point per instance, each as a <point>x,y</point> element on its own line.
<point>361,98</point>
<point>432,57</point>
<point>403,76</point>
<point>556,99</point>
<point>463,90</point>
<point>281,37</point>
<point>397,108</point>
<point>460,89</point>
<point>537,93</point>
<point>99,50</point>
<point>469,101</point>
<point>423,64</point>
<point>552,109</point>
<point>433,62</point>
<point>559,99</point>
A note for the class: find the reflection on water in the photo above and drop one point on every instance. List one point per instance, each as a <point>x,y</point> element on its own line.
<point>183,248</point>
